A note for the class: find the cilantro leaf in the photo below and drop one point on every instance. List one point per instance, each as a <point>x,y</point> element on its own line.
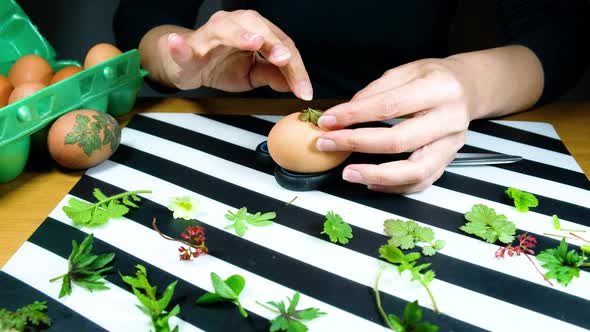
<point>486,224</point>
<point>150,304</point>
<point>407,234</point>
<point>85,269</point>
<point>522,200</point>
<point>336,228</point>
<point>289,318</point>
<point>562,265</point>
<point>241,218</point>
<point>99,213</point>
<point>408,262</point>
<point>27,316</point>
<point>227,290</point>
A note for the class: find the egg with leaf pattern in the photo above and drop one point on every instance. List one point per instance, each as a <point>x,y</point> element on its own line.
<point>83,138</point>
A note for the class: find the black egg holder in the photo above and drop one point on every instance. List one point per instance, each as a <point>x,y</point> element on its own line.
<point>291,180</point>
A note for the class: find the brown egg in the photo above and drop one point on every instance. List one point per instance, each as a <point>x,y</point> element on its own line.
<point>30,68</point>
<point>24,90</point>
<point>84,138</point>
<point>100,53</point>
<point>5,91</point>
<point>64,73</point>
<point>291,144</point>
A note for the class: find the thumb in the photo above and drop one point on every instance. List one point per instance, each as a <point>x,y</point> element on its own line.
<point>180,51</point>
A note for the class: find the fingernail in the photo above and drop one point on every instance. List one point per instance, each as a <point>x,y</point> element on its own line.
<point>327,121</point>
<point>172,36</point>
<point>324,144</point>
<point>250,36</point>
<point>352,176</point>
<point>305,90</point>
<point>280,53</point>
<point>376,187</point>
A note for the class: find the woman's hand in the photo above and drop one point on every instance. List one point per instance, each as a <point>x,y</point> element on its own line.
<point>234,51</point>
<point>440,97</point>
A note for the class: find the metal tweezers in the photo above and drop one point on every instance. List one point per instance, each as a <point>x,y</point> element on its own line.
<point>475,159</point>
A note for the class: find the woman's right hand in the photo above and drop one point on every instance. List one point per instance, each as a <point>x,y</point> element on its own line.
<point>234,51</point>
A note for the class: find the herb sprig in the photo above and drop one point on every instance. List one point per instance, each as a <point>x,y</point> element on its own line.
<point>526,244</point>
<point>194,239</point>
<point>486,224</point>
<point>562,265</point>
<point>336,228</point>
<point>150,304</point>
<point>412,317</point>
<point>310,115</point>
<point>84,268</point>
<point>557,226</point>
<point>408,262</point>
<point>99,213</point>
<point>407,234</point>
<point>522,200</point>
<point>30,315</point>
<point>227,290</point>
<point>242,218</point>
<point>290,319</point>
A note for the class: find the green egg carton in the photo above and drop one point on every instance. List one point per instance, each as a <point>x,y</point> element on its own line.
<point>111,86</point>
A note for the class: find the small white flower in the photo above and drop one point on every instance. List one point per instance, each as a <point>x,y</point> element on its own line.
<point>185,207</point>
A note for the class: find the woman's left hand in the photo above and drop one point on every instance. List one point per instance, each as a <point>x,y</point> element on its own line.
<point>439,97</point>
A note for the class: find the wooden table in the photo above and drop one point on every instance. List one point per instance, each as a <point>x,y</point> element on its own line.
<point>28,200</point>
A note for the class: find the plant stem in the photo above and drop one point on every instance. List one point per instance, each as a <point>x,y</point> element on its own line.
<point>434,305</point>
<point>291,201</point>
<point>560,235</point>
<point>57,278</point>
<point>378,299</point>
<point>572,230</point>
<point>243,312</point>
<point>128,193</point>
<point>579,237</point>
<point>537,268</point>
<point>167,237</point>
<point>267,307</point>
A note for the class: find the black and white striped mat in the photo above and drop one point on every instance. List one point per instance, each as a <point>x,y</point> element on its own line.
<point>212,158</point>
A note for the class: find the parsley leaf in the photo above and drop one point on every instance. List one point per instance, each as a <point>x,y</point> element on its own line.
<point>227,290</point>
<point>336,228</point>
<point>85,269</point>
<point>241,218</point>
<point>562,265</point>
<point>150,304</point>
<point>408,262</point>
<point>289,318</point>
<point>486,224</point>
<point>406,234</point>
<point>27,316</point>
<point>89,214</point>
<point>522,200</point>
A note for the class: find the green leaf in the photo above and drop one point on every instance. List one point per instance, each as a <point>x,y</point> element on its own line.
<point>237,283</point>
<point>522,200</point>
<point>221,288</point>
<point>486,224</point>
<point>561,264</point>
<point>99,195</point>
<point>80,212</point>
<point>280,323</point>
<point>337,229</point>
<point>406,234</point>
<point>412,313</point>
<point>308,314</point>
<point>163,302</point>
<point>25,318</point>
<point>392,254</point>
<point>115,210</point>
<point>428,276</point>
<point>293,303</point>
<point>296,326</point>
<point>210,298</point>
<point>439,244</point>
<point>242,217</point>
<point>396,323</point>
<point>66,286</point>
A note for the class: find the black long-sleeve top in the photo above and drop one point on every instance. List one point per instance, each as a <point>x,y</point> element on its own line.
<point>347,44</point>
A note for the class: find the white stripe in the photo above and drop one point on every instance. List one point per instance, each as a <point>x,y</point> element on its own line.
<point>114,309</point>
<point>541,128</point>
<point>501,145</point>
<point>163,254</point>
<point>356,213</point>
<point>506,178</point>
<point>332,258</point>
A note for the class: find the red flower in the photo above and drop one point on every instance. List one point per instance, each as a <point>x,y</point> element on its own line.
<point>193,237</point>
<point>526,243</point>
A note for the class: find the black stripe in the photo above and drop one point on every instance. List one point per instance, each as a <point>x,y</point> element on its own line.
<point>397,204</point>
<point>528,167</point>
<point>15,294</point>
<point>518,135</point>
<point>479,279</point>
<point>56,237</point>
<point>324,286</point>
